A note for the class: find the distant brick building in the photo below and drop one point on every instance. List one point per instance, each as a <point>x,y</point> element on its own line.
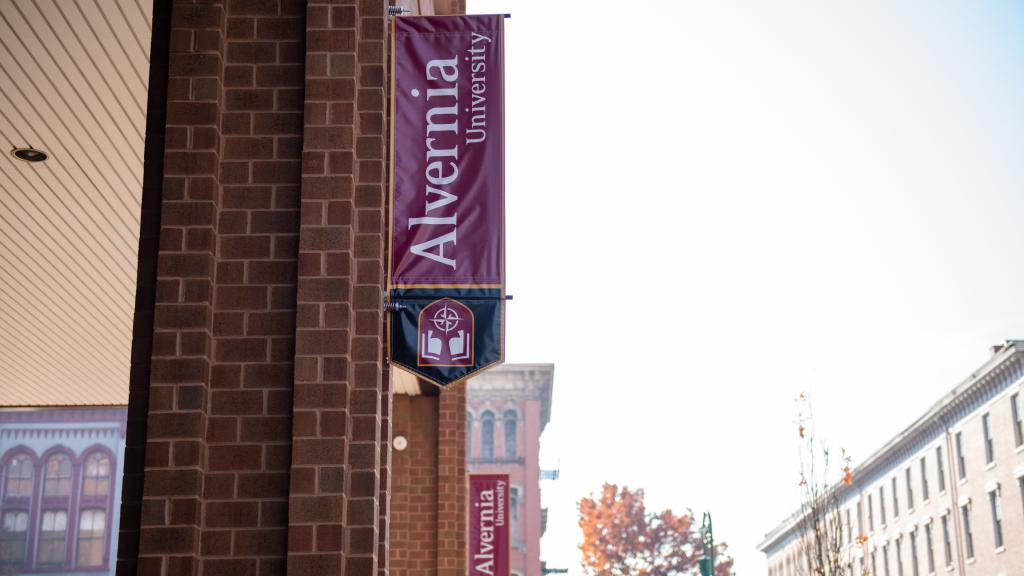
<point>506,411</point>
<point>945,496</point>
<point>60,489</point>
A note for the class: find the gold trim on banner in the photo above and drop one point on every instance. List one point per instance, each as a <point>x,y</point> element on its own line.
<point>391,194</point>
<point>455,286</point>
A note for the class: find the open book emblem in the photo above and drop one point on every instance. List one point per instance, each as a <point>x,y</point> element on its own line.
<point>445,334</point>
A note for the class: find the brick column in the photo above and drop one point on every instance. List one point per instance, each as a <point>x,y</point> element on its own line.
<point>258,382</point>
<point>384,484</point>
<point>364,457</point>
<point>249,427</point>
<point>175,450</point>
<point>413,521</point>
<point>333,512</point>
<point>451,480</point>
<point>428,488</point>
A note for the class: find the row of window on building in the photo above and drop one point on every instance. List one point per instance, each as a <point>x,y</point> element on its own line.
<point>510,419</point>
<point>961,464</point>
<point>995,509</point>
<point>895,565</point>
<point>44,502</point>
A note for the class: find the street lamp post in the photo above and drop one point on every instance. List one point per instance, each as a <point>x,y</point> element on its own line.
<point>707,537</point>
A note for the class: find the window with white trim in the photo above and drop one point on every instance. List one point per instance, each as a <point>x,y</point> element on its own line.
<point>930,544</point>
<point>1020,485</point>
<point>899,556</point>
<point>96,481</point>
<point>885,558</point>
<point>895,499</point>
<point>53,533</point>
<point>947,542</point>
<point>18,477</point>
<point>1018,420</point>
<point>986,430</point>
<point>914,568</point>
<point>997,517</point>
<point>871,514</point>
<point>92,526</point>
<point>514,500</point>
<point>13,539</point>
<point>965,516</point>
<point>881,504</point>
<point>924,478</point>
<point>57,476</point>
<point>511,418</point>
<point>961,461</point>
<point>487,435</point>
<point>910,490</point>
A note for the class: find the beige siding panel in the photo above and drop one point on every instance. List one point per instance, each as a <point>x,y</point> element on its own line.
<point>73,82</point>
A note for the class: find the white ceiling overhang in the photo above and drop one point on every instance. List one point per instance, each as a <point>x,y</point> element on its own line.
<point>73,82</point>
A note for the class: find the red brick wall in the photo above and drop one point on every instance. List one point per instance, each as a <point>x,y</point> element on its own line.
<point>257,383</point>
<point>414,487</point>
<point>260,413</point>
<point>428,495</point>
<point>336,465</point>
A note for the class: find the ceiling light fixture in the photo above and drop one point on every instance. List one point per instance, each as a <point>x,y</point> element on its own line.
<point>29,154</point>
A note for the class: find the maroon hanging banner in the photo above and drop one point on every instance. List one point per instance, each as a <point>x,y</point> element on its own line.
<point>489,525</point>
<point>446,213</point>
<point>446,258</point>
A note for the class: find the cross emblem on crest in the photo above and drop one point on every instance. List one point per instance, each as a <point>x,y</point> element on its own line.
<point>446,319</point>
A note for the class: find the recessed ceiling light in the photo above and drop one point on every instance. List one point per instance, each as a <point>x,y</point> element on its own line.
<point>29,154</point>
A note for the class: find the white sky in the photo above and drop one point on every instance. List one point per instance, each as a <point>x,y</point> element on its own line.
<point>713,206</point>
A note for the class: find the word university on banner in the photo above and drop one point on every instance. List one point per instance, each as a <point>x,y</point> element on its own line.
<point>489,525</point>
<point>446,272</point>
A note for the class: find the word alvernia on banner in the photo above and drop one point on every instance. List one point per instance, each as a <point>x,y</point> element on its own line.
<point>446,271</point>
<point>489,525</point>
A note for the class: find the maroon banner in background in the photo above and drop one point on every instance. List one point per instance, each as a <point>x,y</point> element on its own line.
<point>489,525</point>
<point>446,203</point>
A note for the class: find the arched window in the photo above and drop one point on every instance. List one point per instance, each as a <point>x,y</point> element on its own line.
<point>510,434</point>
<point>57,478</point>
<point>18,477</point>
<point>13,539</point>
<point>469,435</point>
<point>91,531</point>
<point>53,533</point>
<point>487,435</point>
<point>96,481</point>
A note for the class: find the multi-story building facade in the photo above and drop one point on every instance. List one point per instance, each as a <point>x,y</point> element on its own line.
<point>945,496</point>
<point>60,490</point>
<point>507,410</point>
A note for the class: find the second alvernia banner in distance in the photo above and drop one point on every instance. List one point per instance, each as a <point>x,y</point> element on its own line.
<point>490,523</point>
<point>446,272</point>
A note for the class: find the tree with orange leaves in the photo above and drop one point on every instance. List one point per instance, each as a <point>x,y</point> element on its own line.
<point>620,538</point>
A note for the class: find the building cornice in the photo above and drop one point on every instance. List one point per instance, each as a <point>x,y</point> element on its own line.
<point>527,381</point>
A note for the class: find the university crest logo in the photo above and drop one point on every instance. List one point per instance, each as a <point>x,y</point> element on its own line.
<point>445,335</point>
